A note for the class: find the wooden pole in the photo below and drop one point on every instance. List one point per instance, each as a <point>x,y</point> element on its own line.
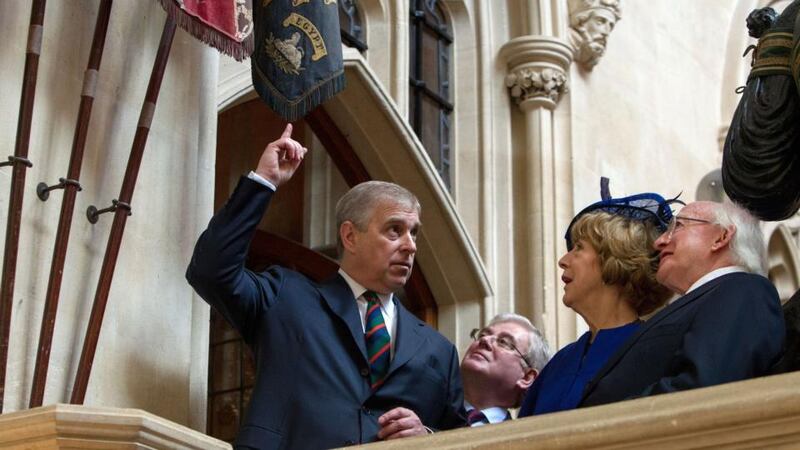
<point>121,210</point>
<point>71,186</point>
<point>20,163</point>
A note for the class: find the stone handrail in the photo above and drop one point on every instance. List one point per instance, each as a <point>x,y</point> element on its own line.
<point>759,413</point>
<point>76,426</point>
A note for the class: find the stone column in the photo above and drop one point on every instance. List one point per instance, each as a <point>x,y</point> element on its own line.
<point>537,78</point>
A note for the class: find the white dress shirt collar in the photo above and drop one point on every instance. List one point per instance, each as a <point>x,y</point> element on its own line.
<point>359,290</point>
<point>388,309</point>
<point>494,414</point>
<point>714,274</point>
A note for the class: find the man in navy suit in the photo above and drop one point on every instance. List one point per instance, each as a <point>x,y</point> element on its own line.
<point>499,366</point>
<point>333,357</point>
<point>727,326</point>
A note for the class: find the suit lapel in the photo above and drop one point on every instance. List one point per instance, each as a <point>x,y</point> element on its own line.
<point>408,338</point>
<point>660,316</point>
<point>339,297</point>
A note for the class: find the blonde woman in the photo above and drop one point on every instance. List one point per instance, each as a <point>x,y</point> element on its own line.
<point>609,280</point>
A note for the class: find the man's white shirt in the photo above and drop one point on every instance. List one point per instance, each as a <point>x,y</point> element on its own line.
<point>494,414</point>
<point>261,180</point>
<point>714,274</point>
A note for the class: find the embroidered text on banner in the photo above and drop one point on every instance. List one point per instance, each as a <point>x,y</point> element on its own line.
<point>297,62</point>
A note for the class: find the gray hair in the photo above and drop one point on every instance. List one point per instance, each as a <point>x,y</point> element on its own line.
<point>359,202</point>
<point>747,246</point>
<point>538,351</point>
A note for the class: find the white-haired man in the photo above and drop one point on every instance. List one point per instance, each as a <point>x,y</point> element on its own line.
<point>726,326</point>
<point>499,366</point>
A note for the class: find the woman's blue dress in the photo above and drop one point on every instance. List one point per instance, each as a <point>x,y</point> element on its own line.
<point>560,385</point>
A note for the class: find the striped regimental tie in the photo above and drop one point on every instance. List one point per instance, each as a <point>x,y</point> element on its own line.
<point>378,341</point>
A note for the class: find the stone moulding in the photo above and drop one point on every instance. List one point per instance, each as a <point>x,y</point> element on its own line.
<point>759,413</point>
<point>370,119</point>
<point>537,70</point>
<point>76,426</point>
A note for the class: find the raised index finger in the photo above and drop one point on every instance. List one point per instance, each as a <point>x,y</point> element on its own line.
<point>287,132</point>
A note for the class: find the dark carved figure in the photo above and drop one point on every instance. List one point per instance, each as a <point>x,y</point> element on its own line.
<point>760,20</point>
<point>761,158</point>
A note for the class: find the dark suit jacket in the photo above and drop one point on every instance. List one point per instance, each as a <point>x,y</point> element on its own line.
<point>312,383</point>
<point>790,361</point>
<point>728,329</point>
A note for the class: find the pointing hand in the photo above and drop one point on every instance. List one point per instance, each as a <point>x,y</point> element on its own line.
<point>281,158</point>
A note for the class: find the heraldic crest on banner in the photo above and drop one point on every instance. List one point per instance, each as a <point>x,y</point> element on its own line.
<point>286,54</point>
<point>297,63</point>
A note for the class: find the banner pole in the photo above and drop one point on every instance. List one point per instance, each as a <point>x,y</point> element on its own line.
<point>121,209</point>
<point>20,163</point>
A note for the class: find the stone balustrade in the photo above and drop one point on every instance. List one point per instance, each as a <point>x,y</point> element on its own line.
<point>76,426</point>
<point>759,413</point>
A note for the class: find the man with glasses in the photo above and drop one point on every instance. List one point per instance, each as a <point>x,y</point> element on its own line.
<point>727,324</point>
<point>497,369</point>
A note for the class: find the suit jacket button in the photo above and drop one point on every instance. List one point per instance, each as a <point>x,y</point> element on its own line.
<point>366,410</point>
<point>364,371</point>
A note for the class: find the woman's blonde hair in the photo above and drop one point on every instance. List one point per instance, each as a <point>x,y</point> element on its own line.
<point>627,257</point>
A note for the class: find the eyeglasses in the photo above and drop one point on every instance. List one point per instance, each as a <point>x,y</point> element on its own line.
<point>677,223</point>
<point>504,342</point>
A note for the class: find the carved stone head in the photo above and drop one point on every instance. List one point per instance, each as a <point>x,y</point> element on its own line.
<point>591,22</point>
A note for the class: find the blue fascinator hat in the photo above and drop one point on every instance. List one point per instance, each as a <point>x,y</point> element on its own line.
<point>645,207</point>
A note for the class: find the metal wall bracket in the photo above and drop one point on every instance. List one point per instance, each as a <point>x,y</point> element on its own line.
<point>16,160</point>
<point>93,214</point>
<point>43,190</point>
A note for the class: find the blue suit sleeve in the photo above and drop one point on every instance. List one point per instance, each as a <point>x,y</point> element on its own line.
<point>455,416</point>
<point>217,271</point>
<point>737,334</point>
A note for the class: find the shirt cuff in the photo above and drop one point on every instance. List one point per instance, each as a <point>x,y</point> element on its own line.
<point>261,180</point>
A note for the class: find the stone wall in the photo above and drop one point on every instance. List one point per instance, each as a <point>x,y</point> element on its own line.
<point>153,345</point>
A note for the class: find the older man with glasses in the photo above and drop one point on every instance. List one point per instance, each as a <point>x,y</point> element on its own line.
<point>727,324</point>
<point>497,369</point>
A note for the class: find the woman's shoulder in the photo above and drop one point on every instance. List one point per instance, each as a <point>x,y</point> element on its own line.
<point>571,348</point>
